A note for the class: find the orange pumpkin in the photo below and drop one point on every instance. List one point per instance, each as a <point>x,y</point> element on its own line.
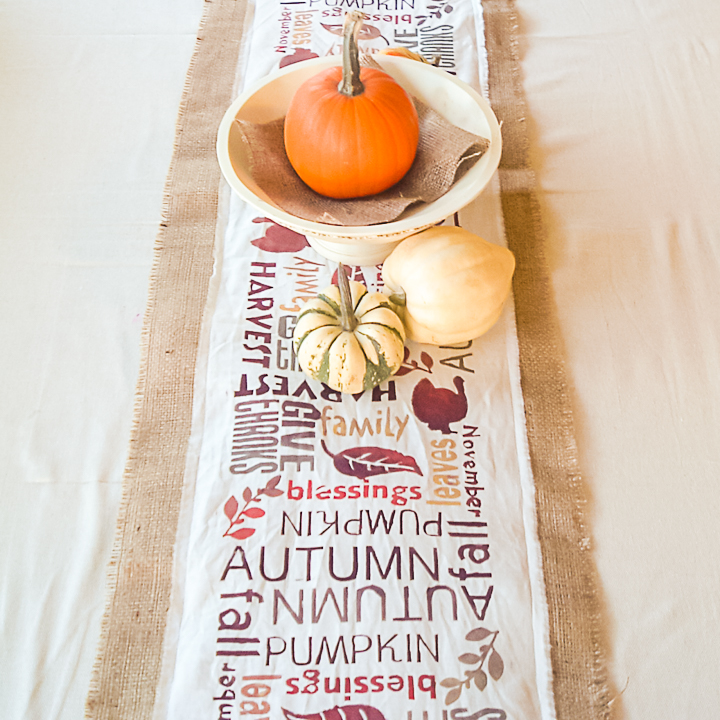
<point>351,132</point>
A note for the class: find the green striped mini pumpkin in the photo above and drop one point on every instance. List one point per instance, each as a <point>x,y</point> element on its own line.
<point>349,360</point>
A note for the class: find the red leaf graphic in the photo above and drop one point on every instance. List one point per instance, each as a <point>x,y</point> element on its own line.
<point>364,462</point>
<point>247,494</point>
<point>242,533</point>
<point>231,507</point>
<point>271,489</point>
<point>254,512</point>
<point>273,492</point>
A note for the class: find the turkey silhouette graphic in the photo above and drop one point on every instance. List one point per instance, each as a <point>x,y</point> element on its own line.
<point>437,407</point>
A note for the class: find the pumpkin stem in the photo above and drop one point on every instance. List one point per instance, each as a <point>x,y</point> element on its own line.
<point>351,85</point>
<point>347,313</point>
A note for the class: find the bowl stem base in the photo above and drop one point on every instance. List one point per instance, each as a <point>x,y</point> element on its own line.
<point>362,253</point>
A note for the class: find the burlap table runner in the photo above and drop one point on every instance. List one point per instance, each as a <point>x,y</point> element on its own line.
<point>128,666</point>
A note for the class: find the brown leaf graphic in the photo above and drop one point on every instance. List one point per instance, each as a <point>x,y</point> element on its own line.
<point>478,634</point>
<point>453,695</point>
<point>364,462</point>
<point>450,682</point>
<point>495,665</point>
<point>469,658</point>
<point>480,679</point>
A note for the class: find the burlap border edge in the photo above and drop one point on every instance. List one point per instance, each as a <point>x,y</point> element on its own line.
<point>582,687</point>
<point>139,575</point>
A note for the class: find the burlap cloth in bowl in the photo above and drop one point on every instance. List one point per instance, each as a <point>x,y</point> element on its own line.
<point>445,153</point>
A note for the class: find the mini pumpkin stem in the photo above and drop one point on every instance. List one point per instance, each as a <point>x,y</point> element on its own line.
<point>347,312</point>
<point>351,85</point>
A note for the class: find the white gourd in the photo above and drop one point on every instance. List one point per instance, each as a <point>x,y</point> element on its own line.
<point>449,284</point>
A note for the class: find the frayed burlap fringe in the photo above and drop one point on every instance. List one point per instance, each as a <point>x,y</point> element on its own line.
<point>581,686</point>
<point>128,665</point>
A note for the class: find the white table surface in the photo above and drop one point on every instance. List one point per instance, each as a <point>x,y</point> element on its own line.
<point>623,108</point>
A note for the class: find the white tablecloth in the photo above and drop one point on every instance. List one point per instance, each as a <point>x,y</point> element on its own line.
<point>623,102</point>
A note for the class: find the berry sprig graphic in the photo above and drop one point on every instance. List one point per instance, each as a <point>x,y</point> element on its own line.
<point>408,364</point>
<point>436,11</point>
<point>477,676</point>
<point>238,516</point>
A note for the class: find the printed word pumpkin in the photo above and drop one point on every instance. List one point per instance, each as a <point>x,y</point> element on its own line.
<point>351,132</point>
<point>348,338</point>
<point>449,284</point>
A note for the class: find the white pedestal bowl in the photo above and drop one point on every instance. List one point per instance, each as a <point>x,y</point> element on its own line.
<point>364,245</point>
